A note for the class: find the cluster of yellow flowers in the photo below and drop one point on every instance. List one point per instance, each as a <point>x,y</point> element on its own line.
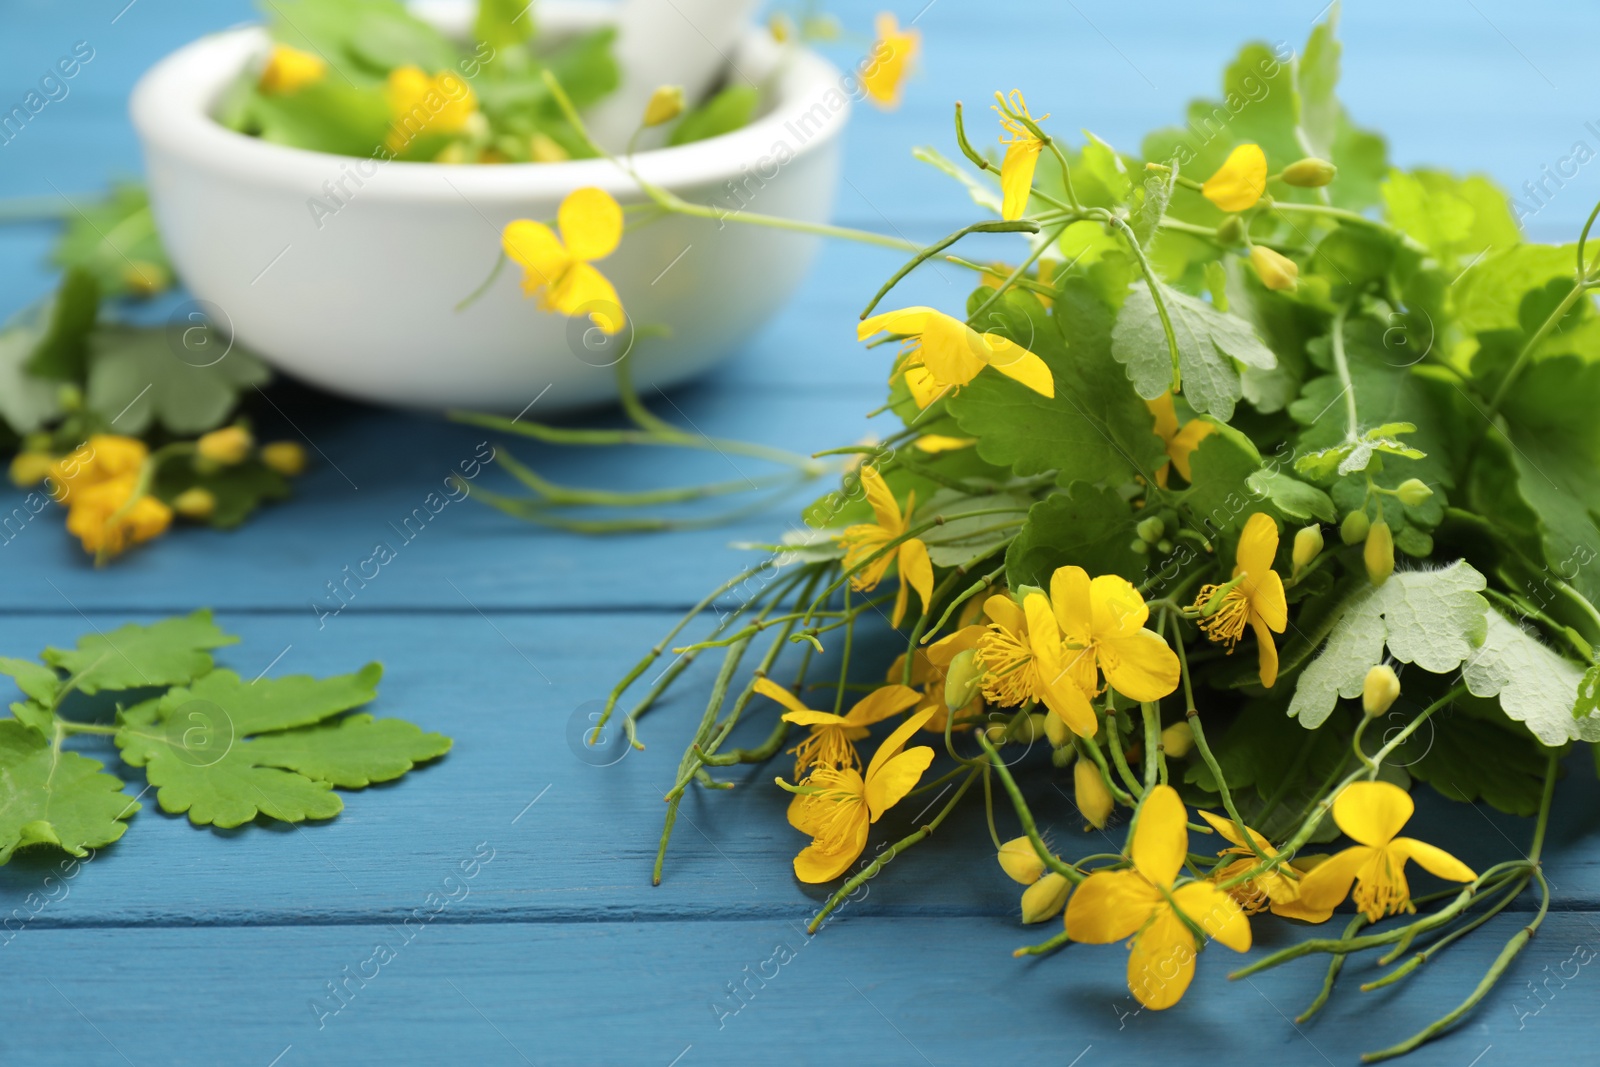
<point>106,483</point>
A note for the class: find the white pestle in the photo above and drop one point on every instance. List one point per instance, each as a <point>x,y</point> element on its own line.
<point>691,43</point>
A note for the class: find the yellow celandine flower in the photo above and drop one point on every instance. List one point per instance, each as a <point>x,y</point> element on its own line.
<point>941,353</point>
<point>1022,660</point>
<point>1180,443</point>
<point>1274,889</point>
<point>421,103</point>
<point>930,667</point>
<point>1257,600</point>
<point>108,516</point>
<point>1240,181</point>
<point>831,742</point>
<point>889,61</point>
<point>102,457</point>
<point>1372,813</point>
<point>557,269</point>
<point>1022,157</point>
<point>864,539</point>
<point>1101,623</point>
<point>289,70</point>
<point>1143,903</point>
<point>839,804</point>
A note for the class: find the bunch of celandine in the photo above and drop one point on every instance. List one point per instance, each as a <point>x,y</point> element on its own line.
<point>1086,506</point>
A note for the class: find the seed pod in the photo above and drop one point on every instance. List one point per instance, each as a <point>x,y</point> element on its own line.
<point>1353,530</point>
<point>1379,553</point>
<point>1379,690</point>
<point>1307,546</point>
<point>1309,173</point>
<point>1045,898</point>
<point>1021,860</point>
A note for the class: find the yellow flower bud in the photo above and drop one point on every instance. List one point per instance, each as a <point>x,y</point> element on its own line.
<point>1177,739</point>
<point>1309,173</point>
<point>666,104</point>
<point>1277,272</point>
<point>1057,730</point>
<point>1379,553</point>
<point>1092,796</point>
<point>1045,898</point>
<point>961,680</point>
<point>1413,491</point>
<point>996,733</point>
<point>285,457</point>
<point>1380,690</point>
<point>227,446</point>
<point>1021,860</point>
<point>288,70</point>
<point>542,148</point>
<point>1151,529</point>
<point>1307,546</point>
<point>1353,530</point>
<point>30,468</point>
<point>144,278</point>
<point>195,503</point>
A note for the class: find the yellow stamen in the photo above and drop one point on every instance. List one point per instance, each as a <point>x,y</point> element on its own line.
<point>1227,624</point>
<point>1004,660</point>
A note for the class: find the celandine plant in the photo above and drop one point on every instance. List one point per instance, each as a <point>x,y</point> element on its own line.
<point>1247,391</point>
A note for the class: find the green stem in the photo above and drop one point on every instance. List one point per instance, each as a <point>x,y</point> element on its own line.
<point>1579,288</point>
<point>888,854</point>
<point>925,254</point>
<point>1025,816</point>
<point>1341,365</point>
<point>1155,294</point>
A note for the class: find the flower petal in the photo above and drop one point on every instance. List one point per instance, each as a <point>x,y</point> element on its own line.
<point>1005,613</point>
<point>1240,181</point>
<point>1267,600</point>
<point>881,497</point>
<point>1161,964</point>
<point>942,651</point>
<point>1166,416</point>
<point>537,250</point>
<point>591,223</point>
<point>1110,906</point>
<point>908,322</point>
<point>1019,364</point>
<point>1372,812</point>
<point>880,704</point>
<point>896,741</point>
<point>888,782</point>
<point>1140,666</point>
<point>1185,441</point>
<point>1229,832</point>
<point>924,387</point>
<point>768,688</point>
<point>1217,913</point>
<point>585,291</point>
<point>1258,544</point>
<point>1161,838</point>
<point>952,351</point>
<point>1326,885</point>
<point>916,569</point>
<point>1064,696</point>
<point>1016,176</point>
<point>1266,650</point>
<point>825,860</point>
<point>1115,606</point>
<point>1434,860</point>
<point>816,718</point>
<point>1069,596</point>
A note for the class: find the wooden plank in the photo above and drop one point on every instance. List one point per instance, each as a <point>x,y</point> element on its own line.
<point>579,839</point>
<point>734,992</point>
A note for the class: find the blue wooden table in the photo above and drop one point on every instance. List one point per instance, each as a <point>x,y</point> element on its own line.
<point>270,945</point>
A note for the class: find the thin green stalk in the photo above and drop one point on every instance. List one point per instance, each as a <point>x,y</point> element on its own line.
<point>1341,366</point>
<point>1025,816</point>
<point>872,869</point>
<point>925,254</point>
<point>1335,965</point>
<point>1044,947</point>
<point>1525,354</point>
<point>1154,283</point>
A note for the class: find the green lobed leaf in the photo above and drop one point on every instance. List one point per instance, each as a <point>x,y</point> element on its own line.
<point>1536,686</point>
<point>1094,429</point>
<point>137,379</point>
<point>238,489</point>
<point>170,652</point>
<point>55,798</point>
<point>26,402</point>
<point>1208,340</point>
<point>111,238</point>
<point>1085,525</point>
<point>36,681</point>
<point>62,350</point>
<point>960,541</point>
<point>1433,618</point>
<point>1292,497</point>
<point>224,750</point>
<point>1469,752</point>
